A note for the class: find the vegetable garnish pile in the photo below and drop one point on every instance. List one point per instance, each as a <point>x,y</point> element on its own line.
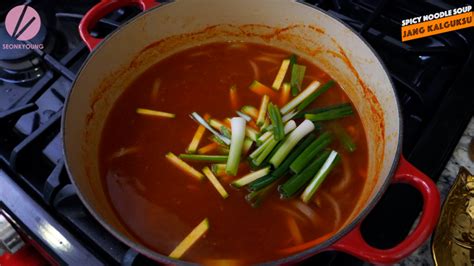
<point>284,143</point>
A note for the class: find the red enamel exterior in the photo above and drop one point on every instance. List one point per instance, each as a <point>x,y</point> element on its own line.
<point>354,244</point>
<point>101,10</point>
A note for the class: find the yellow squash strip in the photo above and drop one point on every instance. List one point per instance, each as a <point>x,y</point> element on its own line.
<point>190,239</point>
<point>144,111</point>
<point>196,139</point>
<point>263,110</point>
<point>184,166</point>
<point>281,74</point>
<point>208,148</point>
<point>285,93</point>
<point>215,182</point>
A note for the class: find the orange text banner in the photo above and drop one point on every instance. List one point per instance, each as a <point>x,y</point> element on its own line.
<point>437,26</point>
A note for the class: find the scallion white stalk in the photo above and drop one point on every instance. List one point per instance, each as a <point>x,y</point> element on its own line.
<point>288,116</point>
<point>196,117</point>
<point>249,178</point>
<point>238,126</point>
<point>318,179</point>
<point>244,116</point>
<point>300,98</point>
<point>295,136</point>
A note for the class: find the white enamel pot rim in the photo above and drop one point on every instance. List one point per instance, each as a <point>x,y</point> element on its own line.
<point>73,109</point>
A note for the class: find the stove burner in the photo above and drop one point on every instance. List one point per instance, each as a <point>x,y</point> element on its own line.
<point>19,65</point>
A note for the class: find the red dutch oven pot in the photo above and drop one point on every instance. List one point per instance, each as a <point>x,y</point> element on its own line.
<point>162,30</point>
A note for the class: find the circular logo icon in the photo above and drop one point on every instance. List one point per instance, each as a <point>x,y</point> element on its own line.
<point>23,22</point>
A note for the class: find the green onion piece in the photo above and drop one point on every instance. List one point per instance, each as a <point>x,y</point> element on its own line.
<point>218,169</point>
<point>265,126</point>
<point>226,132</point>
<point>264,137</point>
<point>218,141</point>
<point>204,158</point>
<point>315,95</point>
<point>247,179</point>
<point>275,117</point>
<point>251,133</point>
<point>330,114</point>
<point>196,117</point>
<point>255,198</point>
<point>336,107</point>
<point>297,182</point>
<point>247,145</point>
<point>281,74</point>
<point>259,150</point>
<point>272,143</point>
<point>289,116</point>
<point>300,132</point>
<point>297,76</point>
<point>250,111</point>
<point>300,98</point>
<point>283,168</point>
<point>345,139</point>
<point>244,116</point>
<point>263,110</point>
<point>310,152</point>
<point>318,179</point>
<point>238,136</point>
<point>218,125</point>
<point>289,126</point>
<point>293,59</point>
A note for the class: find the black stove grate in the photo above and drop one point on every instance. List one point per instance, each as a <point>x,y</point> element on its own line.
<point>431,76</point>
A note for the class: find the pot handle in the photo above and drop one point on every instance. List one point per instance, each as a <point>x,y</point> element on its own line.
<point>354,244</point>
<point>100,10</point>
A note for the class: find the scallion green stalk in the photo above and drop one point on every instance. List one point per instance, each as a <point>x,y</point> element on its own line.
<point>297,182</point>
<point>297,76</point>
<point>283,168</point>
<point>272,143</point>
<point>310,152</point>
<point>238,125</point>
<point>315,95</point>
<point>247,145</point>
<point>320,176</point>
<point>345,139</point>
<point>300,132</point>
<point>275,117</point>
<point>300,98</point>
<point>330,115</point>
<point>336,107</point>
<point>204,158</point>
<point>249,178</point>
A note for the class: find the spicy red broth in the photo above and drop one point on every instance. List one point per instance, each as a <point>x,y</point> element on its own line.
<point>160,204</point>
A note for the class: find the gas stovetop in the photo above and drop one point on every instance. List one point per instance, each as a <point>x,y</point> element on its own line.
<point>432,76</point>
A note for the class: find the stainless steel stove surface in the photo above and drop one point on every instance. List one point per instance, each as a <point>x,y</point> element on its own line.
<point>433,79</point>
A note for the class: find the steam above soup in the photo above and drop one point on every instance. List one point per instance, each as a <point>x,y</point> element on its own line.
<point>233,153</point>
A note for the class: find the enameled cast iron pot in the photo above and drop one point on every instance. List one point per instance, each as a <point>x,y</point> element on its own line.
<point>327,42</point>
